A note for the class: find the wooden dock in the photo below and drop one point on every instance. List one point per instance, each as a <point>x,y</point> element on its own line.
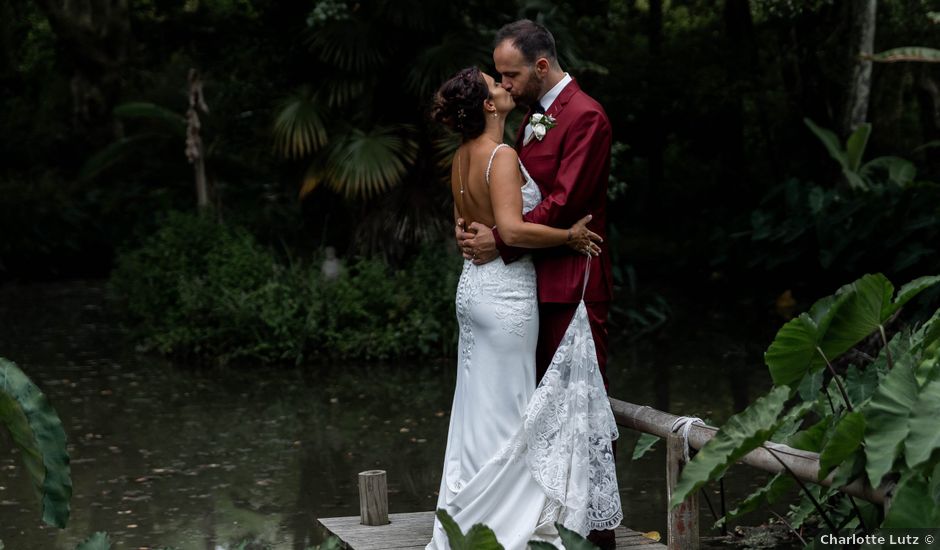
<point>413,532</point>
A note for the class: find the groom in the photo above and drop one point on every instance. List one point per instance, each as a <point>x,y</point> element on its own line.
<point>570,162</point>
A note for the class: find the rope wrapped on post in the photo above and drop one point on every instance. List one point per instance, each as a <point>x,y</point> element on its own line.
<point>682,426</point>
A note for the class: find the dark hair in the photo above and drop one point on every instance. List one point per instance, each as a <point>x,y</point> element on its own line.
<point>458,104</point>
<point>532,39</point>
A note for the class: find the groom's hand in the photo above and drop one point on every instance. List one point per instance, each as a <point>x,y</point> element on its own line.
<point>478,244</point>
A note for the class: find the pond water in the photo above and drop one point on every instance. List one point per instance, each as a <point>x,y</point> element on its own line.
<point>168,455</point>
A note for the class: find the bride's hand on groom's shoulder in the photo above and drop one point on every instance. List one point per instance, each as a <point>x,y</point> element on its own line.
<point>582,239</point>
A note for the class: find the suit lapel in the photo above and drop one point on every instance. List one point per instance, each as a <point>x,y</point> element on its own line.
<point>554,111</point>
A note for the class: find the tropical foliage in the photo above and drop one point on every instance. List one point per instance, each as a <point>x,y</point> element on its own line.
<point>866,402</point>
<point>37,432</point>
<point>481,537</point>
<point>209,290</point>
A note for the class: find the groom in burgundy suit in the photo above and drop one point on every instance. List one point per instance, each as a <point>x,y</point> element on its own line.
<point>570,162</point>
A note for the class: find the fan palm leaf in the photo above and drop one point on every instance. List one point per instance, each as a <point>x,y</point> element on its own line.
<point>362,164</point>
<point>438,63</point>
<point>351,45</point>
<point>342,89</point>
<point>300,127</point>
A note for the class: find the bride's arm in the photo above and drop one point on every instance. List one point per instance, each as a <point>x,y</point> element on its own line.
<point>506,198</point>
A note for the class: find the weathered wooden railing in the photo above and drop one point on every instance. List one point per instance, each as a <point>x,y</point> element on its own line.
<point>682,523</point>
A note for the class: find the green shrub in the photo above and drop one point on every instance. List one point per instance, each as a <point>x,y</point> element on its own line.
<point>204,289</point>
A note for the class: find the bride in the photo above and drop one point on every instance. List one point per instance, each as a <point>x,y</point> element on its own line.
<point>518,458</point>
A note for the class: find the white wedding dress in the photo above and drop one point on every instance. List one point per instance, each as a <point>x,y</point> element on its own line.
<point>520,458</point>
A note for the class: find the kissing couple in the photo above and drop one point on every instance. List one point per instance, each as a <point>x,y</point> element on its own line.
<point>531,435</point>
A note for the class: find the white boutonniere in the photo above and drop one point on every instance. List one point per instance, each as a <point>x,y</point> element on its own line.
<point>541,124</point>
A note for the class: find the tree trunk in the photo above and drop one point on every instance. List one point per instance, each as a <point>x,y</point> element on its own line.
<point>862,42</point>
<point>93,38</point>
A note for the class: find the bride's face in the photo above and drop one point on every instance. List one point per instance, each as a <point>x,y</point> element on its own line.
<point>499,97</point>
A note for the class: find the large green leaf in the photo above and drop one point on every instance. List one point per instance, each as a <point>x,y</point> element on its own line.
<point>479,537</point>
<point>855,146</point>
<point>886,420</point>
<point>98,541</point>
<point>900,171</point>
<point>741,434</point>
<point>37,431</point>
<point>831,141</point>
<point>924,436</point>
<point>868,306</point>
<point>845,439</point>
<point>299,127</point>
<point>912,505</point>
<point>861,384</point>
<point>363,164</point>
<point>644,444</point>
<point>572,540</point>
<point>794,351</point>
<point>924,55</point>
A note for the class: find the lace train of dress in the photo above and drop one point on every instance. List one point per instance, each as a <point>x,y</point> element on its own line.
<point>520,458</point>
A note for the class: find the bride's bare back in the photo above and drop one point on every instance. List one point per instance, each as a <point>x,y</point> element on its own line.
<point>469,171</point>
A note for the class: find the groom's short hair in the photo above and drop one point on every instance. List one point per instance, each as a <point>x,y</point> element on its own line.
<point>532,39</point>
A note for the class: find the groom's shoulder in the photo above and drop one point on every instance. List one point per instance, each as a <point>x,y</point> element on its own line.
<point>584,103</point>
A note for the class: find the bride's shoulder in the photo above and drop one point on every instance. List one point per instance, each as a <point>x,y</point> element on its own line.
<point>504,153</point>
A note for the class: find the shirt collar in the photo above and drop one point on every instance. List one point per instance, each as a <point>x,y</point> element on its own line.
<point>550,96</point>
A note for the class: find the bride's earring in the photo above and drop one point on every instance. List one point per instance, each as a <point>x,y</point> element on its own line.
<point>495,114</point>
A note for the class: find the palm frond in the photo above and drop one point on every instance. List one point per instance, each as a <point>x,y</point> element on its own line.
<point>362,164</point>
<point>349,45</point>
<point>171,120</point>
<point>340,90</point>
<point>438,63</point>
<point>114,153</point>
<point>300,127</point>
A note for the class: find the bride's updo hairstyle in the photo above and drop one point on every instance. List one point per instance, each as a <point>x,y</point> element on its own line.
<point>458,104</point>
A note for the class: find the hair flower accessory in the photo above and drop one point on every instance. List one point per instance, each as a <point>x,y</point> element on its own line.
<point>541,124</point>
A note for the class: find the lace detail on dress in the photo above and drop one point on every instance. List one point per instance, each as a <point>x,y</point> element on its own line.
<point>567,436</point>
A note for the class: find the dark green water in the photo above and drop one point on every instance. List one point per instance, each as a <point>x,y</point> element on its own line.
<point>167,455</point>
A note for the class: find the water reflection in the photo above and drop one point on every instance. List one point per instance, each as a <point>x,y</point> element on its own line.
<point>166,455</point>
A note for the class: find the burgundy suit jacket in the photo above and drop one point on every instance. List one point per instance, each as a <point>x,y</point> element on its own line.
<point>571,166</point>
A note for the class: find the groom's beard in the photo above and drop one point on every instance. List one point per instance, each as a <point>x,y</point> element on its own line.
<point>531,93</point>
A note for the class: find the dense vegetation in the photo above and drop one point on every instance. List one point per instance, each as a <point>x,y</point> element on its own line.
<point>315,134</point>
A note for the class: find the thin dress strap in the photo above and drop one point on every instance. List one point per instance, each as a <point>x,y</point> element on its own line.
<point>490,164</point>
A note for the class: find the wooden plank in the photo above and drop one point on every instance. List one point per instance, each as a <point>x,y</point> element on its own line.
<point>413,531</point>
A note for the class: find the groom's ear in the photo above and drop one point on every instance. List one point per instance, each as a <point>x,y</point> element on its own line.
<point>542,66</point>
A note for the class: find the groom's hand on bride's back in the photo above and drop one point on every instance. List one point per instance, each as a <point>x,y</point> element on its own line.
<point>476,242</point>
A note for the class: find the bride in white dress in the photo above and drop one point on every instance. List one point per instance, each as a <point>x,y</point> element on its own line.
<point>518,458</point>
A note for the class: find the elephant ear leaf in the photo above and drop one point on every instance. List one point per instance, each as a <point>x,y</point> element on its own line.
<point>572,540</point>
<point>741,434</point>
<point>845,440</point>
<point>868,306</point>
<point>478,537</point>
<point>886,419</point>
<point>912,505</point>
<point>795,349</point>
<point>37,431</point>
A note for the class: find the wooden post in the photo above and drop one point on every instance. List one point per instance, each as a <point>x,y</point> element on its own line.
<point>682,523</point>
<point>373,497</point>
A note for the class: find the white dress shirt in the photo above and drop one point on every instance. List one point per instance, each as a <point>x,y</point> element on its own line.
<point>547,100</point>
